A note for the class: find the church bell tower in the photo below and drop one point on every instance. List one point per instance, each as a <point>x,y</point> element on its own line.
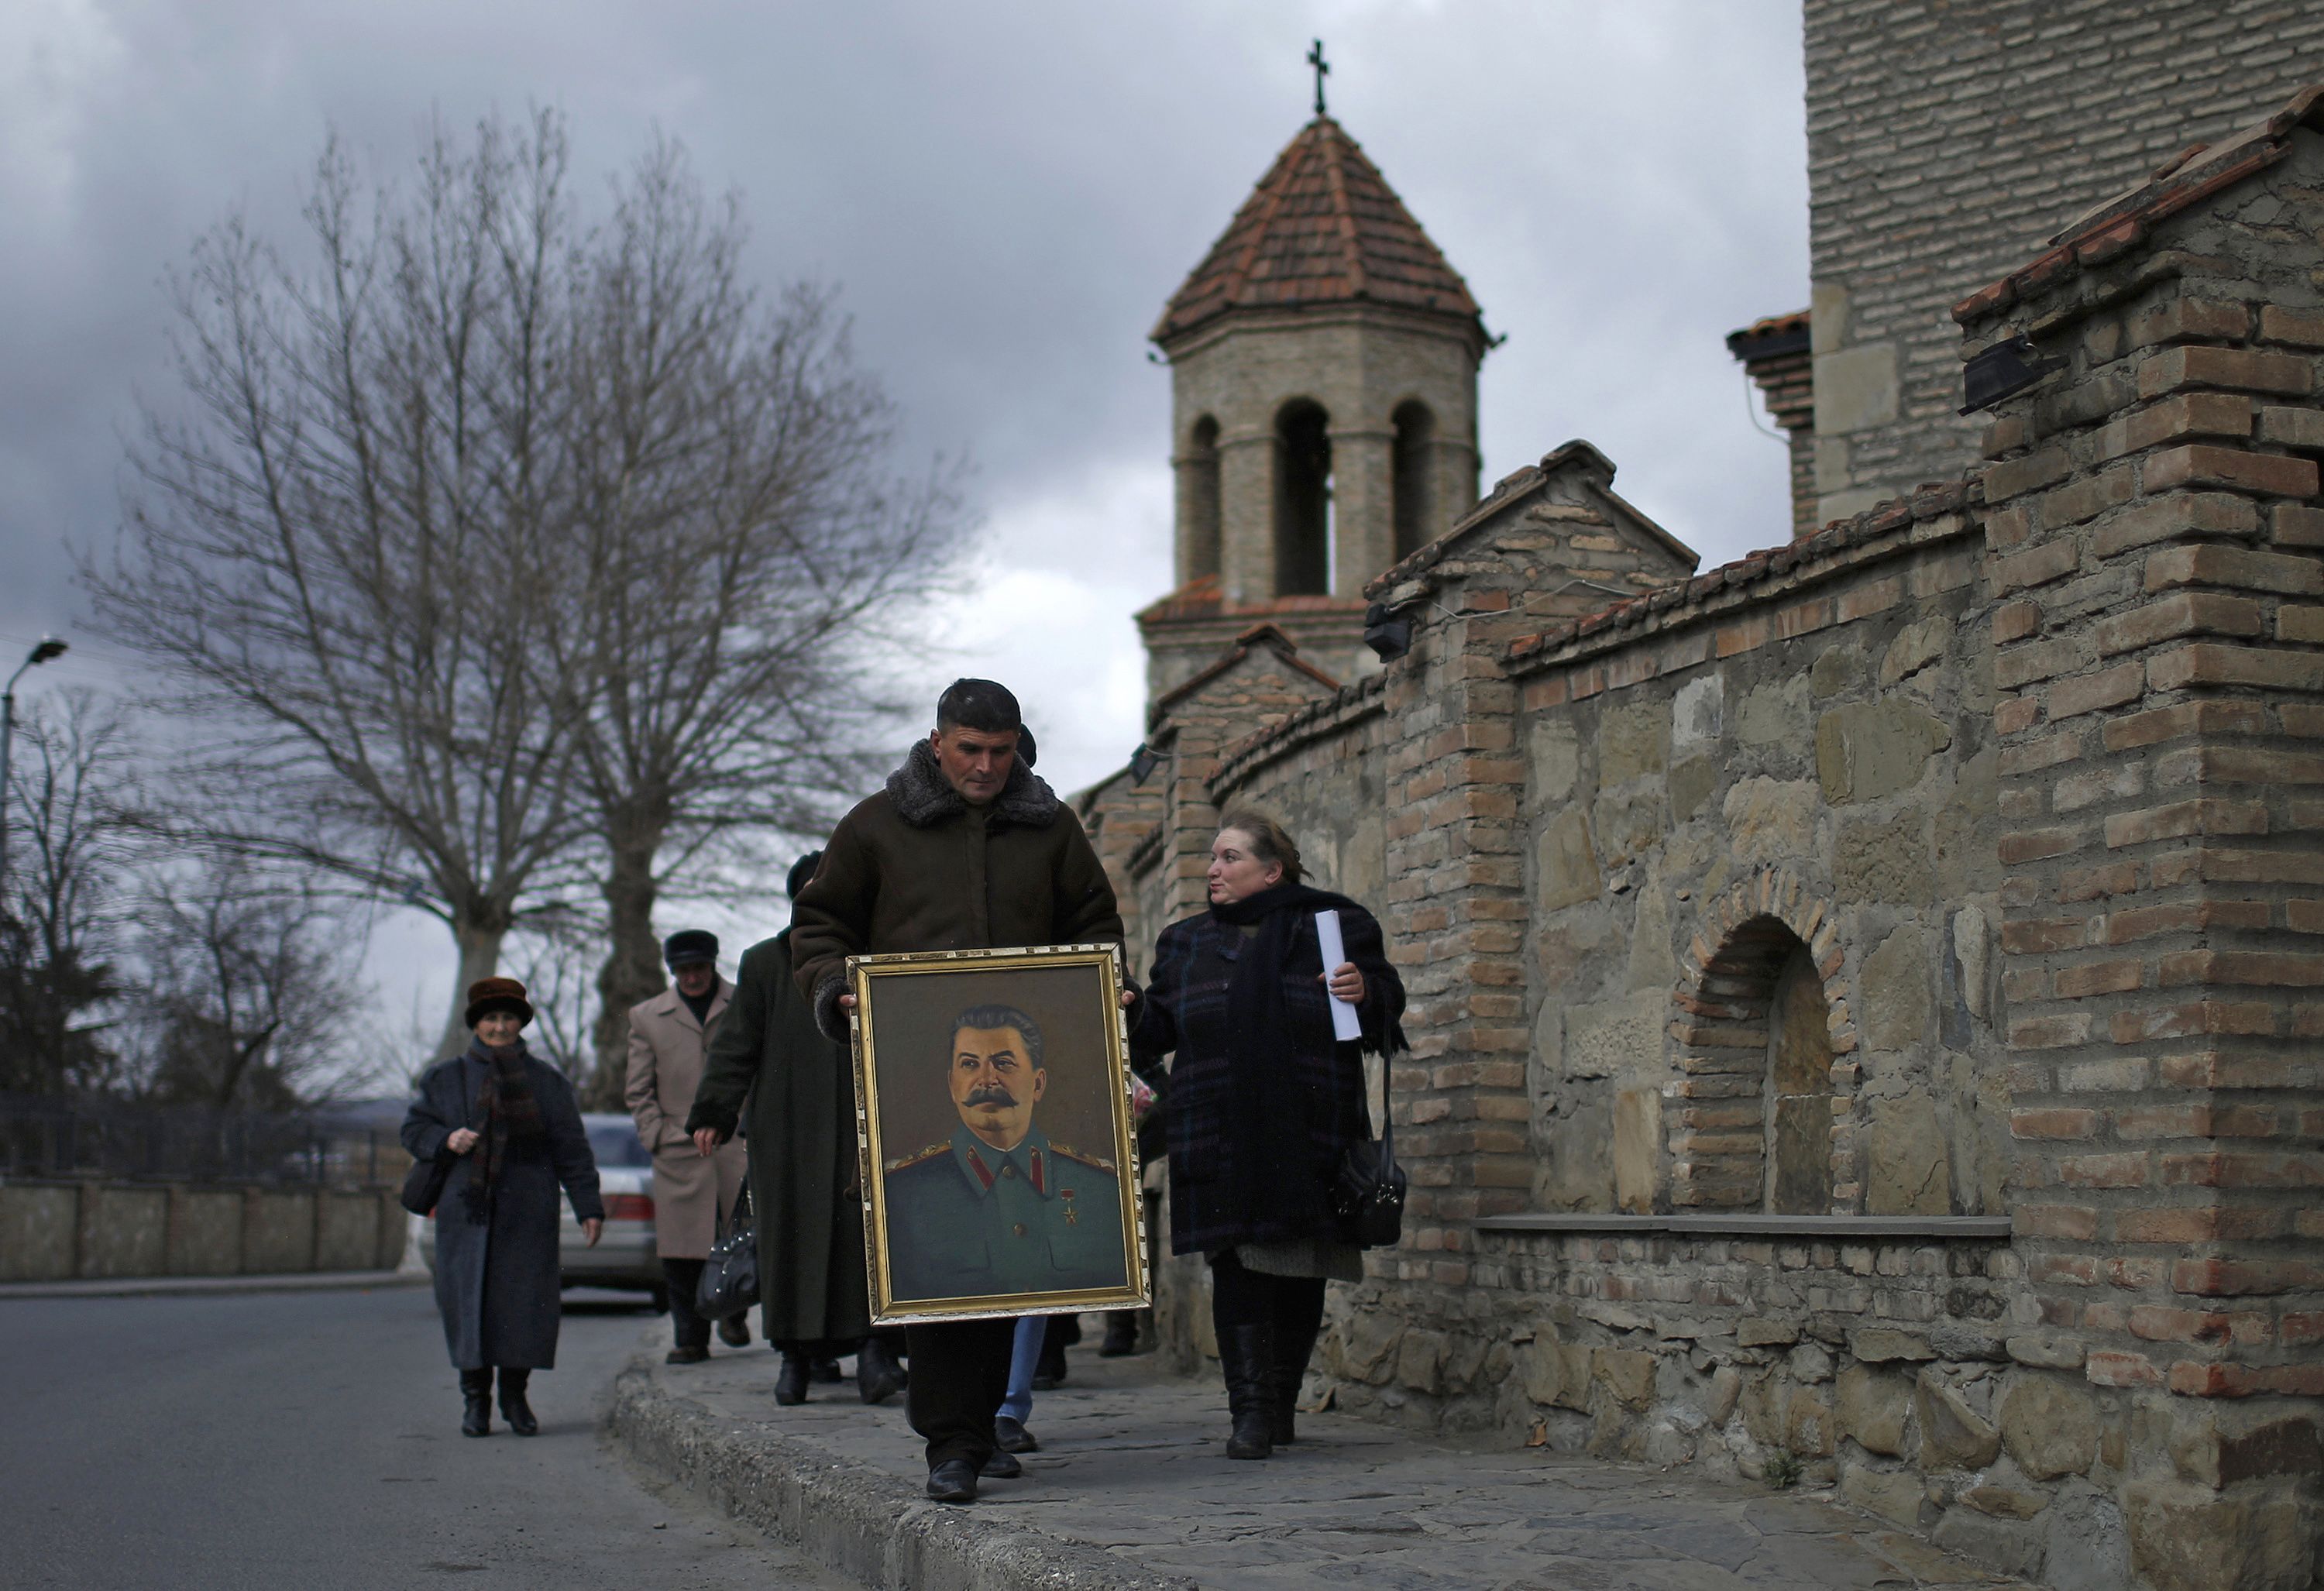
<point>1324,410</point>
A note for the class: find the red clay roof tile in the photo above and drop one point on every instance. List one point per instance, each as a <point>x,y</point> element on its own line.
<point>1322,227</point>
<point>2119,222</point>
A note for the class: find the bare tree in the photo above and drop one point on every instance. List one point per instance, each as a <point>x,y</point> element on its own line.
<point>511,562</point>
<point>743,563</point>
<point>70,779</point>
<point>557,967</point>
<point>246,995</point>
<point>337,542</point>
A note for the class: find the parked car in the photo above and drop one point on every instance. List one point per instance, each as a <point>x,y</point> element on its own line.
<point>624,1257</point>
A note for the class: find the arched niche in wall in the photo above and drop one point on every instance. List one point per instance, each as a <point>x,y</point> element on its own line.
<point>1303,499</point>
<point>1412,474</point>
<point>1759,1024</point>
<point>1200,482</point>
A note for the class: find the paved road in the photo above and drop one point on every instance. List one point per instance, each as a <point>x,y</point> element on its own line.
<point>279,1439</point>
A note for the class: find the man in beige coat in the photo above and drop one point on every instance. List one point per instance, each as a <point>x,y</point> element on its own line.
<point>669,1035</point>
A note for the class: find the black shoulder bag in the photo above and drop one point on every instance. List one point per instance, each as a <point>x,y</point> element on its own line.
<point>730,1276</point>
<point>423,1184</point>
<point>1368,1194</point>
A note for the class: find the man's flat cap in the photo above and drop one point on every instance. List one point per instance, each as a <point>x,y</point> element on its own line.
<point>689,944</point>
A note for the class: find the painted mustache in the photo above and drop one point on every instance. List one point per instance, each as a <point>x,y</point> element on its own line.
<point>990,1094</point>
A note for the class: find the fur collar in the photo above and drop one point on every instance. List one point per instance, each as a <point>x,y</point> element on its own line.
<point>922,798</point>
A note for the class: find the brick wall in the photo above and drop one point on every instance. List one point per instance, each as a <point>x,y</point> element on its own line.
<point>1947,140</point>
<point>2155,534</point>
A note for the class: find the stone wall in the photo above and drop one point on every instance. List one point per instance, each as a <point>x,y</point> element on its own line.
<point>1799,762</point>
<point>1947,138</point>
<point>61,1231</point>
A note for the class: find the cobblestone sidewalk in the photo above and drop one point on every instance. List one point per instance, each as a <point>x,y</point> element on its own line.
<point>1132,1462</point>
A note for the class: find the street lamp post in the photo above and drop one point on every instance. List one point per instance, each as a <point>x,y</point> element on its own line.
<point>49,648</point>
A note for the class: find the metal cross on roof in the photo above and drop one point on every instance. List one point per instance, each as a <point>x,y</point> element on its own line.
<point>1323,70</point>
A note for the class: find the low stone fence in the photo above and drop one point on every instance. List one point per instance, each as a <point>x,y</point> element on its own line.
<point>60,1231</point>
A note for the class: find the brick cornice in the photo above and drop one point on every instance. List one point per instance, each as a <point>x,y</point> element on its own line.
<point>1755,585</point>
<point>1320,720</point>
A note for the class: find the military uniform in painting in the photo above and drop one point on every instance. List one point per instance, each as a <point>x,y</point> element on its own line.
<point>968,1220</point>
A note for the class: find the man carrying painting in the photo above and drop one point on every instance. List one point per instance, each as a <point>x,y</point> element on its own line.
<point>966,849</point>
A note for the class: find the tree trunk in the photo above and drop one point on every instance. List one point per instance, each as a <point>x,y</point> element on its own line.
<point>633,971</point>
<point>480,957</point>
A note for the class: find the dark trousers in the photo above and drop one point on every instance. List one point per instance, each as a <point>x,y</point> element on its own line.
<point>892,1338</point>
<point>959,1374</point>
<point>687,1328</point>
<point>1292,1305</point>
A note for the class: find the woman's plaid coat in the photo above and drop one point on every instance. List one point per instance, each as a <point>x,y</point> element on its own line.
<point>1186,1010</point>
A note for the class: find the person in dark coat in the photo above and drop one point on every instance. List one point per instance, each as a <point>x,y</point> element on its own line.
<point>1263,1101</point>
<point>508,1125</point>
<point>966,849</point>
<point>800,1089</point>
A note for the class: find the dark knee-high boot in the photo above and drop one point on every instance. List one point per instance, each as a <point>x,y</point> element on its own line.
<point>513,1408</point>
<point>476,1392</point>
<point>1247,1356</point>
<point>1293,1348</point>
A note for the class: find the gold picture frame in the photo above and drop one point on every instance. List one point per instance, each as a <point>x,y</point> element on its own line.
<point>983,1192</point>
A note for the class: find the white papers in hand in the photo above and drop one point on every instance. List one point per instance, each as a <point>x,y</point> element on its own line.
<point>1344,1024</point>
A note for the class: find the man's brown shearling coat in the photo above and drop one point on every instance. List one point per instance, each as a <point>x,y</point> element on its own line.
<point>916,868</point>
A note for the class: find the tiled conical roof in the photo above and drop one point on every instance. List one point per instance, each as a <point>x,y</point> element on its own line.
<point>1322,227</point>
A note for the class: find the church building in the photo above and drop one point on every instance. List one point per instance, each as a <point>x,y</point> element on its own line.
<point>1868,998</point>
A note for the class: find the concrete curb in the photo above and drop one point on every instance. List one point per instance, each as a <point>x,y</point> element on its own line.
<point>851,1518</point>
<point>179,1286</point>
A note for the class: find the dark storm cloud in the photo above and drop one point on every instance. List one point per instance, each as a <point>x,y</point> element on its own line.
<point>1007,193</point>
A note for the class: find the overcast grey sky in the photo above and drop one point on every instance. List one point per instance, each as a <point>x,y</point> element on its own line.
<point>1006,193</point>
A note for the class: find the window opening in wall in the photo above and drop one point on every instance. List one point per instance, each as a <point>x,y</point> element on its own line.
<point>1410,469</point>
<point>1202,487</point>
<point>1756,1133</point>
<point>1799,1090</point>
<point>1303,501</point>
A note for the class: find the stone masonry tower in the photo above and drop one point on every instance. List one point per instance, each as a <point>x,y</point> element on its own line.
<point>1324,376</point>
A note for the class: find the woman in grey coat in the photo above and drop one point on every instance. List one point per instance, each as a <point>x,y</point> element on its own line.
<point>508,1127</point>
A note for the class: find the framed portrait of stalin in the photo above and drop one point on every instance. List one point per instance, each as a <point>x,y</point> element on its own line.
<point>996,1151</point>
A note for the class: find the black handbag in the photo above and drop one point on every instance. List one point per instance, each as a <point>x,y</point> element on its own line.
<point>1368,1194</point>
<point>730,1276</point>
<point>423,1184</point>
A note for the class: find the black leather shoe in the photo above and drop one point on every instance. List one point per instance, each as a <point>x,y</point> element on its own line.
<point>514,1409</point>
<point>1012,1436</point>
<point>878,1377</point>
<point>953,1481</point>
<point>476,1395</point>
<point>790,1381</point>
<point>685,1355</point>
<point>735,1331</point>
<point>1001,1466</point>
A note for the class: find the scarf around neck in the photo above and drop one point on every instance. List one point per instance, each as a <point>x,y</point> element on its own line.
<point>510,1111</point>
